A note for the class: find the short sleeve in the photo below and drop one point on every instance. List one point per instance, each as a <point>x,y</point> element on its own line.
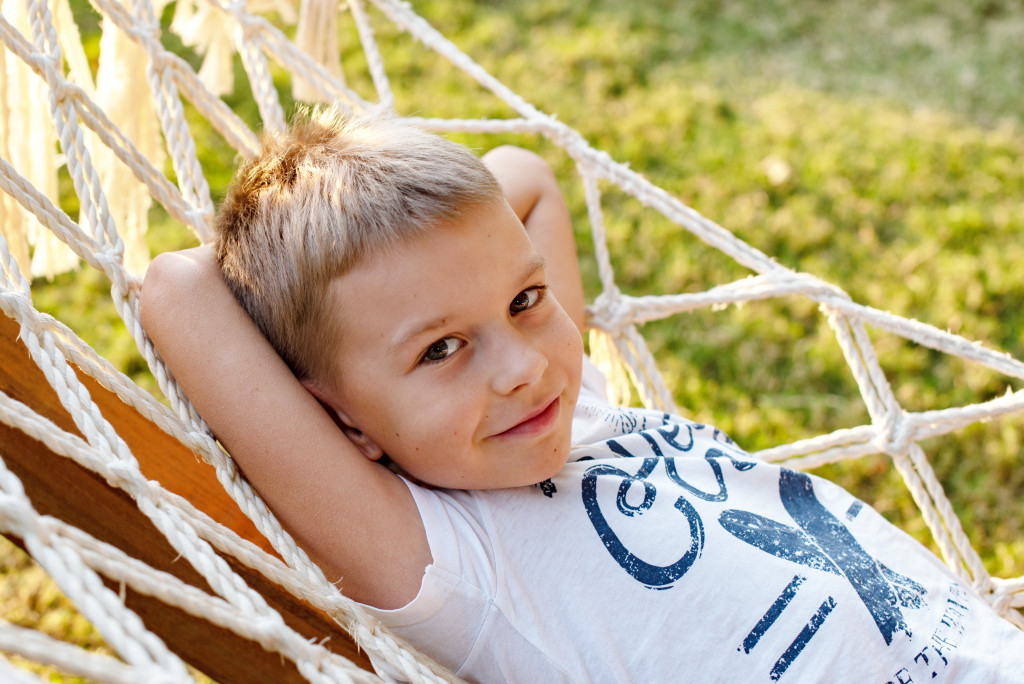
<point>457,589</point>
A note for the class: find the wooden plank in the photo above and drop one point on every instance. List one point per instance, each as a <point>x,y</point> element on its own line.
<point>65,490</point>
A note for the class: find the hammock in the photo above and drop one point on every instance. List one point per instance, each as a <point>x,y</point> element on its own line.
<point>260,588</point>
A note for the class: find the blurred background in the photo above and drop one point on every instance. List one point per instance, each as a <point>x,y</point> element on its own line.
<point>877,145</point>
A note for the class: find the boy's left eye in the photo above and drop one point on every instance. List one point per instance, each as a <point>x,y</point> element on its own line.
<point>526,299</point>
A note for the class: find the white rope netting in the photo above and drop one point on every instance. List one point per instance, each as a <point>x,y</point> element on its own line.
<point>115,134</point>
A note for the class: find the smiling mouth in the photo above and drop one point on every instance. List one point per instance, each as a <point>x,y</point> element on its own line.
<point>536,423</point>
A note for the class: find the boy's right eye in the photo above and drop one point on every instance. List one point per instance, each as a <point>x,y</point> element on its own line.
<point>441,349</point>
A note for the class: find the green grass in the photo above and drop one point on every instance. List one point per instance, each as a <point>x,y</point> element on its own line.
<point>874,145</point>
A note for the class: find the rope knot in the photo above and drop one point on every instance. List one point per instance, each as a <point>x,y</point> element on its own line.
<point>272,630</point>
<point>896,435</point>
<point>564,136</point>
<point>609,312</point>
<point>122,474</point>
<point>159,62</point>
<point>1001,594</point>
<point>200,219</point>
<point>247,24</point>
<point>109,258</point>
<point>148,29</point>
<point>64,91</point>
<point>53,74</point>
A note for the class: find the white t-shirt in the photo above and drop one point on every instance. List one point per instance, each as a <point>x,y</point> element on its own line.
<point>663,553</point>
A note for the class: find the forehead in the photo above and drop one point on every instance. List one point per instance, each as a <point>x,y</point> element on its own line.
<point>446,272</point>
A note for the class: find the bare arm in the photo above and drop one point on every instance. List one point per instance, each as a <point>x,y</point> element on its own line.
<point>355,518</point>
<point>531,189</point>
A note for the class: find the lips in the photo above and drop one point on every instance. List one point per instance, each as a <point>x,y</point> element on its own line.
<point>536,422</point>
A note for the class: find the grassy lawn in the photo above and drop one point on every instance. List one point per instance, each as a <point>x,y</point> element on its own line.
<point>876,145</point>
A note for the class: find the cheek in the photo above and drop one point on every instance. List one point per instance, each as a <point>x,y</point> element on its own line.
<point>570,344</point>
<point>434,418</point>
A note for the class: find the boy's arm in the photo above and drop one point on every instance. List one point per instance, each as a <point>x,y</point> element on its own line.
<point>355,518</point>
<point>531,189</point>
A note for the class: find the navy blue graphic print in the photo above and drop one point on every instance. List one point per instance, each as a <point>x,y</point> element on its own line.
<point>822,542</point>
<point>547,487</point>
<point>654,506</point>
<point>656,576</point>
<point>789,655</point>
<point>773,614</point>
<point>679,438</point>
<point>932,661</point>
<point>802,639</point>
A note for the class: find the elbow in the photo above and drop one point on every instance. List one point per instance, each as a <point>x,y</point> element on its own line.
<point>521,160</point>
<point>172,280</point>
<point>153,292</point>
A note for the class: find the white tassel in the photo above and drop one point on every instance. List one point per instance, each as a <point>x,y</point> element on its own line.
<point>184,10</point>
<point>12,219</point>
<point>30,144</point>
<point>71,47</point>
<point>123,92</point>
<point>218,70</point>
<point>210,32</point>
<point>317,36</point>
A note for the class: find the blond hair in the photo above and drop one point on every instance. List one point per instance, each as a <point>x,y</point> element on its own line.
<point>316,201</point>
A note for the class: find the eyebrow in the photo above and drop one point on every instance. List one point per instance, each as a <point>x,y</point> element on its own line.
<point>534,264</point>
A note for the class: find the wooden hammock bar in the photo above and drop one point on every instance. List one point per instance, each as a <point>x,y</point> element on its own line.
<point>61,488</point>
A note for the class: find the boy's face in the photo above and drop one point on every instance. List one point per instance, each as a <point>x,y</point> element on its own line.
<point>454,360</point>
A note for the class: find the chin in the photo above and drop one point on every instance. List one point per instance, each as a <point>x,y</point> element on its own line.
<point>558,460</point>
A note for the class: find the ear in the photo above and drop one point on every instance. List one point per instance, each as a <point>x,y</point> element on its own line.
<point>360,439</point>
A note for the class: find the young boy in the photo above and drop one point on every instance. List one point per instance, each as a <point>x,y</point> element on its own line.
<point>427,307</point>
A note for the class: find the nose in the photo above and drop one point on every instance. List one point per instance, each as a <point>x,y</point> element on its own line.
<point>517,362</point>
